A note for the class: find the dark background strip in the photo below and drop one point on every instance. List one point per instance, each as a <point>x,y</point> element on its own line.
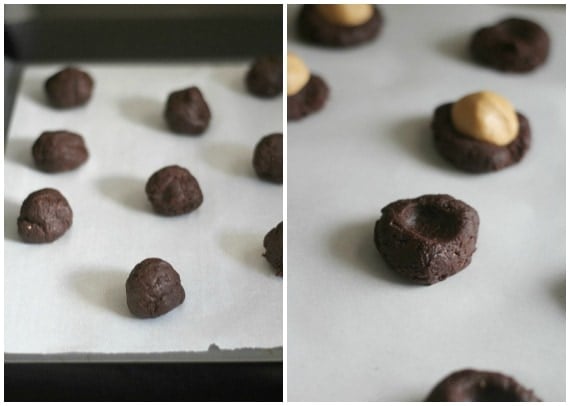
<point>143,382</point>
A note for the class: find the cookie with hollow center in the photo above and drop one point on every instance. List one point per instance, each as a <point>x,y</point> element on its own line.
<point>45,216</point>
<point>427,239</point>
<point>306,93</point>
<point>68,88</point>
<point>153,288</point>
<point>470,385</point>
<point>481,132</point>
<point>339,25</point>
<point>511,45</point>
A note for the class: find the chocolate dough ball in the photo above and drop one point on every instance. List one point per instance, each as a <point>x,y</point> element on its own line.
<point>273,244</point>
<point>59,151</point>
<point>265,76</point>
<point>173,191</point>
<point>153,289</point>
<point>187,112</point>
<point>511,45</point>
<point>268,158</point>
<point>470,385</point>
<point>45,216</point>
<point>427,239</point>
<point>68,88</point>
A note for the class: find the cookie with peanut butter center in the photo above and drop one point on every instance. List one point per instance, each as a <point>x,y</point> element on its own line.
<point>339,25</point>
<point>481,132</point>
<point>306,93</point>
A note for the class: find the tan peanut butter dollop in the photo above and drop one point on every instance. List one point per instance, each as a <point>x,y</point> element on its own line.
<point>348,15</point>
<point>486,116</point>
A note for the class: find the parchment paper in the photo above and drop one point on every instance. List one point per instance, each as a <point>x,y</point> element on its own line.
<point>69,296</point>
<point>358,332</point>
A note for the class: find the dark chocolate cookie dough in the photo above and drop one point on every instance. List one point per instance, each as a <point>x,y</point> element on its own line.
<point>469,385</point>
<point>187,111</point>
<point>68,88</point>
<point>427,239</point>
<point>59,151</point>
<point>268,158</point>
<point>314,28</point>
<point>273,244</point>
<point>153,288</point>
<point>512,45</point>
<point>472,155</point>
<point>309,100</point>
<point>265,76</point>
<point>45,216</point>
<point>173,191</point>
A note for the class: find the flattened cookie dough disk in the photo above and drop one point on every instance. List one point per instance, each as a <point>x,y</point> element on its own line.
<point>472,155</point>
<point>310,99</point>
<point>69,88</point>
<point>265,76</point>
<point>153,288</point>
<point>314,27</point>
<point>470,385</point>
<point>512,45</point>
<point>173,190</point>
<point>59,151</point>
<point>273,244</point>
<point>427,239</point>
<point>45,216</point>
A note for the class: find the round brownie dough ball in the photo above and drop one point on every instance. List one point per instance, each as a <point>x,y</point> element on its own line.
<point>187,112</point>
<point>45,216</point>
<point>273,244</point>
<point>153,289</point>
<point>469,385</point>
<point>173,191</point>
<point>512,45</point>
<point>59,151</point>
<point>265,76</point>
<point>427,239</point>
<point>472,155</point>
<point>314,27</point>
<point>268,158</point>
<point>69,88</point>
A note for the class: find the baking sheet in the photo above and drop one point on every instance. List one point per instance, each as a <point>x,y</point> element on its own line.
<point>66,300</point>
<point>356,331</point>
